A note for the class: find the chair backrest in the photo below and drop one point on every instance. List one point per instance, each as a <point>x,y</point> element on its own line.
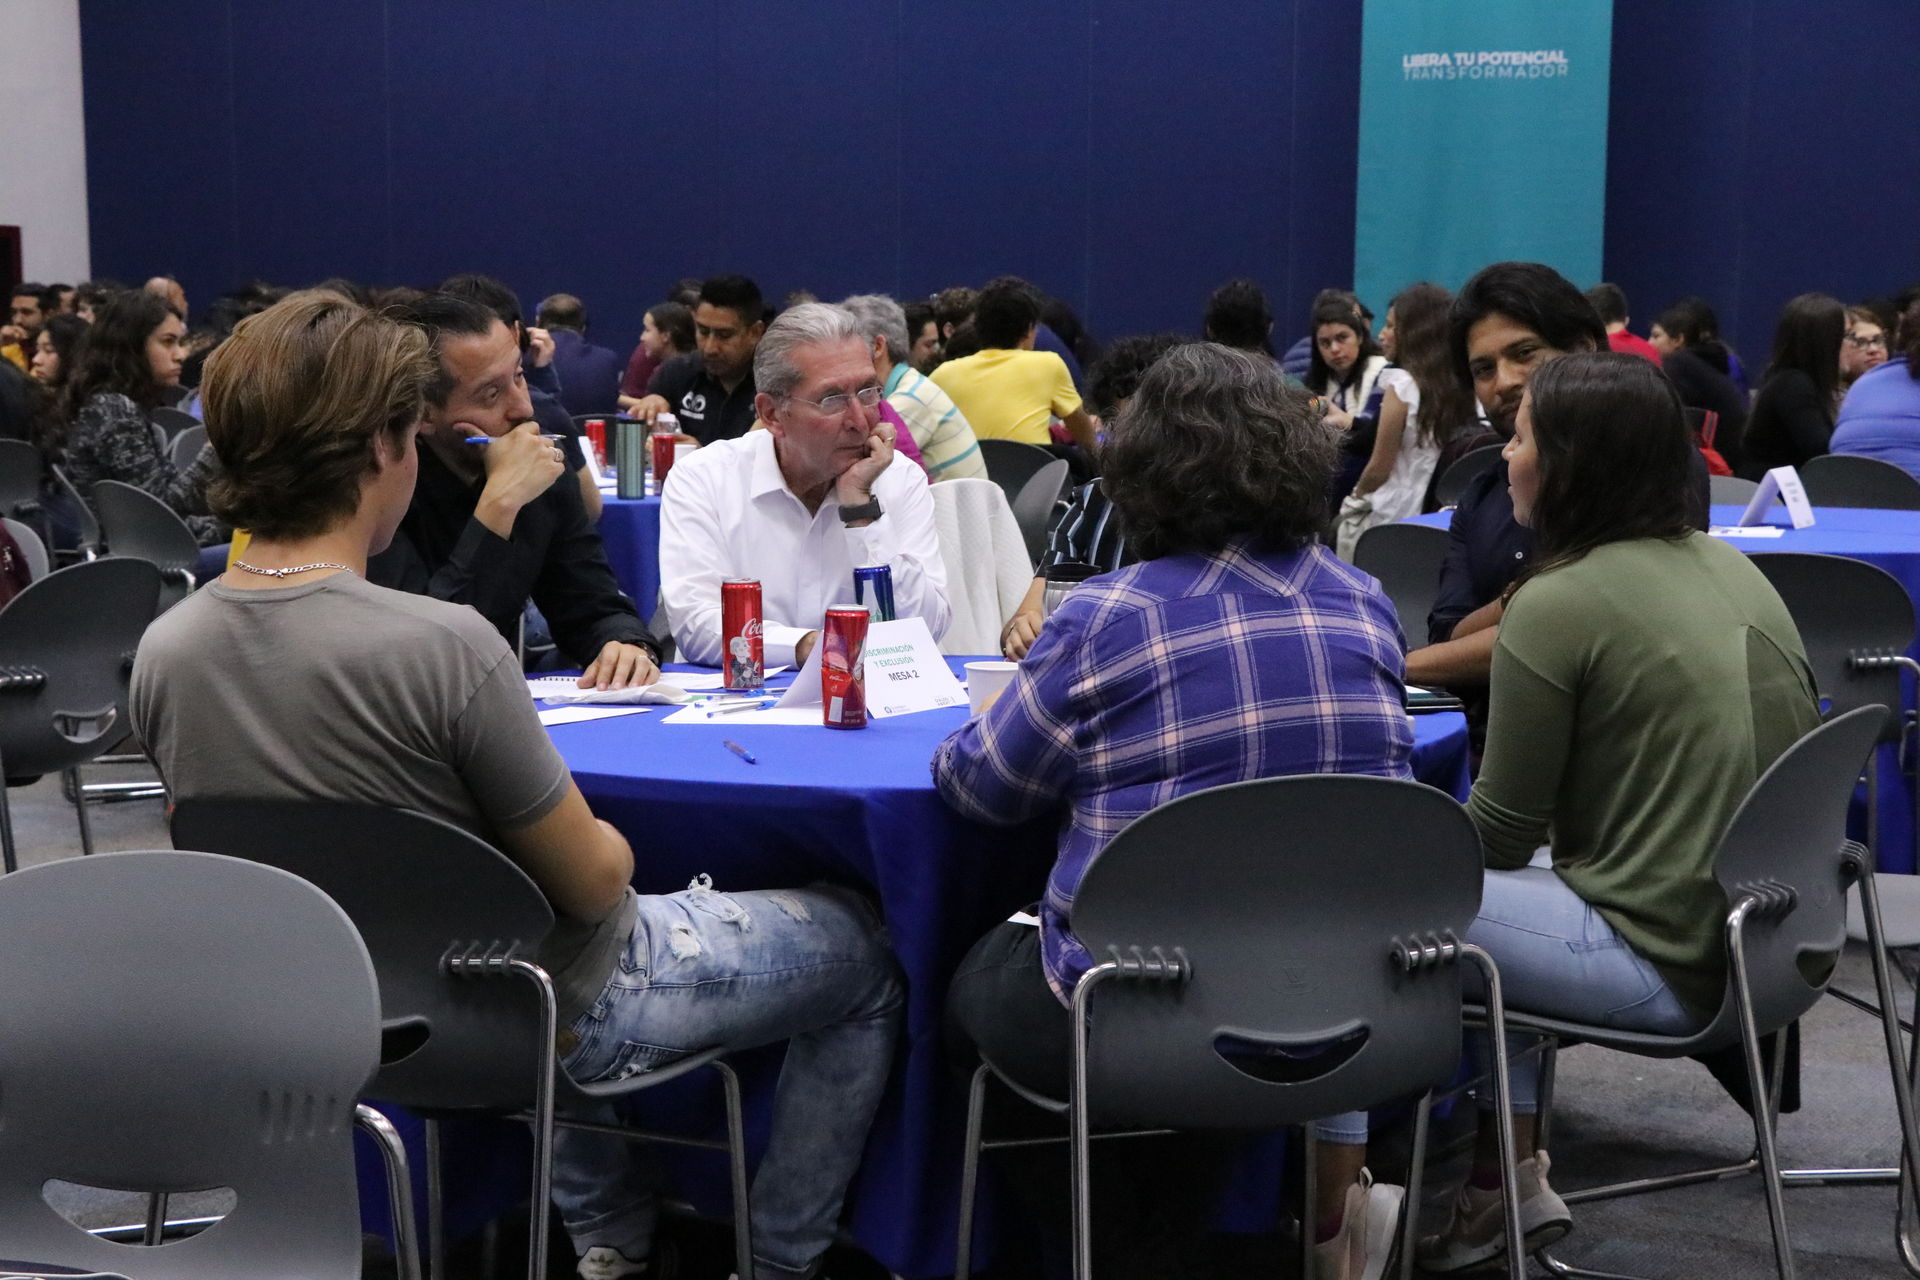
<point>66,647</point>
<point>20,471</point>
<point>186,1021</point>
<point>138,524</point>
<point>1010,463</point>
<point>1730,490</point>
<point>1035,502</point>
<point>1406,558</point>
<point>417,888</point>
<point>187,445</point>
<point>90,538</point>
<point>1847,480</point>
<point>1843,608</point>
<point>1465,470</point>
<point>31,546</point>
<point>172,421</point>
<point>1789,833</point>
<point>988,568</point>
<point>1287,897</point>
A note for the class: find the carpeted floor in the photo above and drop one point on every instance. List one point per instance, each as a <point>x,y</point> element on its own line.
<point>1617,1117</point>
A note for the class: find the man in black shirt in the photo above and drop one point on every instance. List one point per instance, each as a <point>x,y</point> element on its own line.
<point>712,391</point>
<point>489,526</point>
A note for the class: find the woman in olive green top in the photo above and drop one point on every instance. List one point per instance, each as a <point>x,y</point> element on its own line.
<point>1644,676</point>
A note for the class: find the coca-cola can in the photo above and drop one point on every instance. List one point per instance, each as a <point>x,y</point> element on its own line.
<point>843,667</point>
<point>743,660</point>
<point>597,437</point>
<point>662,442</point>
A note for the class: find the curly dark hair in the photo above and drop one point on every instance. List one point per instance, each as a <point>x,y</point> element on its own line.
<point>1116,375</point>
<point>1005,310</point>
<point>1213,446</point>
<point>113,355</point>
<point>1238,316</point>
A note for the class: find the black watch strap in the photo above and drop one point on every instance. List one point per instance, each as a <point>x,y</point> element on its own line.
<point>868,510</point>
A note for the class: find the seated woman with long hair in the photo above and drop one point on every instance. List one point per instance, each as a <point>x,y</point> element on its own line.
<point>1792,419</point>
<point>1645,675</point>
<point>130,359</point>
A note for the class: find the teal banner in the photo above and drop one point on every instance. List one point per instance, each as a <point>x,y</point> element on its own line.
<point>1483,137</point>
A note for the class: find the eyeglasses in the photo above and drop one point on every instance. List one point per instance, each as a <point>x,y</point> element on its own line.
<point>867,396</point>
<point>1867,343</point>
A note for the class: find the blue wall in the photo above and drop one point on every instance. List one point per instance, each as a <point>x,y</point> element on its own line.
<point>1126,154</point>
<point>1123,156</point>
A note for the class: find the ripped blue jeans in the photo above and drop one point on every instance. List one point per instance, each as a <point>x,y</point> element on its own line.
<point>810,966</point>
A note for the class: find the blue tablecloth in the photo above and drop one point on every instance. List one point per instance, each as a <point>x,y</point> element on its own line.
<point>630,528</point>
<point>1890,540</point>
<point>858,808</point>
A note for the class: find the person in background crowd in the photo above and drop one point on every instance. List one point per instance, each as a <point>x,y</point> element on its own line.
<point>1687,338</point>
<point>217,322</point>
<point>488,525</point>
<point>1298,360</point>
<point>1090,531</point>
<point>168,290</point>
<point>130,358</point>
<point>666,331</point>
<point>1611,302</point>
<point>54,348</point>
<point>1344,370</point>
<point>1062,333</point>
<point>1423,405</point>
<point>63,298</point>
<point>801,504</point>
<point>1506,322</point>
<point>954,307</point>
<point>961,343</point>
<point>1880,418</point>
<point>266,685</point>
<point>92,295</point>
<point>946,443</point>
<point>29,307</point>
<point>712,392</point>
<point>589,375</point>
<point>1644,676</point>
<point>1792,417</point>
<point>1238,316</point>
<point>923,333</point>
<point>1250,612</point>
<point>1866,346</point>
<point>20,416</point>
<point>1010,391</point>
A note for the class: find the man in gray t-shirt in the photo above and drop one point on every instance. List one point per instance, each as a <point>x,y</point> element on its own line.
<point>290,676</point>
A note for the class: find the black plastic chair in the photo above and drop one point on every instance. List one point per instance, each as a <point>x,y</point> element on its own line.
<point>1847,480</point>
<point>1467,468</point>
<point>1784,863</point>
<point>1730,491</point>
<point>172,421</point>
<point>1010,464</point>
<point>91,541</point>
<point>138,524</point>
<point>1034,505</point>
<point>186,446</point>
<point>187,1021</point>
<point>1349,897</point>
<point>1406,558</point>
<point>469,1016</point>
<point>20,471</point>
<point>35,551</point>
<point>66,651</point>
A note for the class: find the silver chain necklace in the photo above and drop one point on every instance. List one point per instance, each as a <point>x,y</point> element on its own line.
<point>291,569</point>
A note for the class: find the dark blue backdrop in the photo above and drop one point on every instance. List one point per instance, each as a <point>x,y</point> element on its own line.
<point>1126,154</point>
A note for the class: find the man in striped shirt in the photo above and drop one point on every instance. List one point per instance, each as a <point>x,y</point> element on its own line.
<point>948,449</point>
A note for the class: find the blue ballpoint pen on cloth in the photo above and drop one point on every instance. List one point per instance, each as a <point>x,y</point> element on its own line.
<point>489,439</point>
<point>740,751</point>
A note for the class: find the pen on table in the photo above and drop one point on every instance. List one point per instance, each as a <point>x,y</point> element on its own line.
<point>740,751</point>
<point>727,709</point>
<point>489,439</point>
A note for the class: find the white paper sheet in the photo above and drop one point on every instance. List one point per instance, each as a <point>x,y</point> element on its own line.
<point>1746,531</point>
<point>573,715</point>
<point>905,672</point>
<point>772,715</point>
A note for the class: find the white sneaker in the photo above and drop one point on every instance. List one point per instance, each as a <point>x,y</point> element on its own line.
<point>1369,1233</point>
<point>604,1263</point>
<point>1478,1233</point>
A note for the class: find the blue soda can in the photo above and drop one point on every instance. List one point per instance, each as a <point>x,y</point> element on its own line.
<point>873,589</point>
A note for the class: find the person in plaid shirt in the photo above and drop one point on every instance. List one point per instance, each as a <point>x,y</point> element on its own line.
<point>1238,647</point>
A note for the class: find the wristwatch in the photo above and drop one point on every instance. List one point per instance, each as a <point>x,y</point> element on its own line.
<point>868,510</point>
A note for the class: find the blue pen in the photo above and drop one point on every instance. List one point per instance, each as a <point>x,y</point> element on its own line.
<point>489,439</point>
<point>740,751</point>
<point>729,708</point>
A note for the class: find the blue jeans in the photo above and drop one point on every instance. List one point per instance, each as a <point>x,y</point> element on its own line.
<point>1560,958</point>
<point>810,966</point>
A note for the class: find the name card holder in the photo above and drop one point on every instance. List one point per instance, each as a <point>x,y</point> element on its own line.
<point>1781,484</point>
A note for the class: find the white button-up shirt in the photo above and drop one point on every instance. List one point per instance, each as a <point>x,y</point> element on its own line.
<point>727,513</point>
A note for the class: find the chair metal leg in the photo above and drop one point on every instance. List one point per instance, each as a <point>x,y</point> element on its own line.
<point>541,1197</point>
<point>737,1167</point>
<point>1757,1081</point>
<point>970,1172</point>
<point>80,810</point>
<point>1503,1107</point>
<point>1309,1202</point>
<point>393,1154</point>
<point>1900,1066</point>
<point>1078,1125</point>
<point>156,1219</point>
<point>436,1206</point>
<point>1416,1169</point>
<point>9,857</point>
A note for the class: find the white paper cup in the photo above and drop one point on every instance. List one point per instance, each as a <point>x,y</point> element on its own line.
<point>986,679</point>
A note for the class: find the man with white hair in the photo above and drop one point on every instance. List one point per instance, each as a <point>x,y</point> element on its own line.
<point>948,448</point>
<point>815,491</point>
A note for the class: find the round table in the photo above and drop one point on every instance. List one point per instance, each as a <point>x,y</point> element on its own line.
<point>858,808</point>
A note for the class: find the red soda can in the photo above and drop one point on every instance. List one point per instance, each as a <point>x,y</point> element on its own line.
<point>597,436</point>
<point>662,445</point>
<point>843,667</point>
<point>743,661</point>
